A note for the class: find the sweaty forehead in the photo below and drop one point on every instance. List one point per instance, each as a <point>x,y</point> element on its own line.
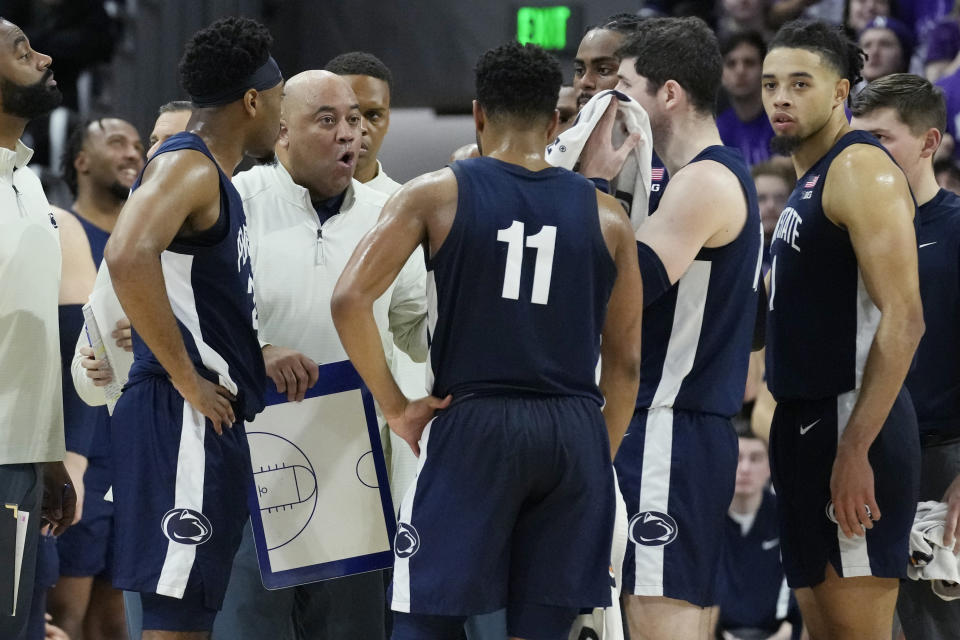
<point>597,44</point>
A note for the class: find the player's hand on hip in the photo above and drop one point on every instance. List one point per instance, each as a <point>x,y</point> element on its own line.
<point>123,335</point>
<point>852,491</point>
<point>410,423</point>
<point>212,400</point>
<point>59,498</point>
<point>599,158</point>
<point>97,370</point>
<point>951,525</point>
<point>290,370</point>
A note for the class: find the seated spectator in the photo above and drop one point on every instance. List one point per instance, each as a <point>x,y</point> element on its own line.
<point>745,124</point>
<point>942,46</point>
<point>783,11</point>
<point>742,15</point>
<point>888,44</point>
<point>774,182</point>
<point>920,16</point>
<point>860,13</point>
<point>948,175</point>
<point>950,85</point>
<point>755,601</point>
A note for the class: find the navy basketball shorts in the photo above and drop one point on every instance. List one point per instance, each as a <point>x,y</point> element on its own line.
<point>86,548</point>
<point>512,506</point>
<point>180,504</point>
<point>677,471</point>
<point>803,446</point>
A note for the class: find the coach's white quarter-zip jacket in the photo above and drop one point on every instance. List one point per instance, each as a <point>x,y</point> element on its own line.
<point>297,261</point>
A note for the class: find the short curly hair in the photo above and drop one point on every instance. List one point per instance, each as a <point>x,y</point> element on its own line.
<point>223,54</point>
<point>360,63</point>
<point>827,40</point>
<point>520,81</point>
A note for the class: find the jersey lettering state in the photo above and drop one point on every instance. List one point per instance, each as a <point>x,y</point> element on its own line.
<point>820,319</point>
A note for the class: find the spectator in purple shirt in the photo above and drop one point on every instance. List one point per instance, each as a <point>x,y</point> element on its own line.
<point>920,16</point>
<point>942,46</point>
<point>744,125</point>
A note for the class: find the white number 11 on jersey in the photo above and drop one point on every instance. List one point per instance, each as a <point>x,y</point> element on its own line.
<point>544,243</point>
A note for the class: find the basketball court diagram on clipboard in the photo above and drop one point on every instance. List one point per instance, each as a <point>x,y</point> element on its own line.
<point>319,498</point>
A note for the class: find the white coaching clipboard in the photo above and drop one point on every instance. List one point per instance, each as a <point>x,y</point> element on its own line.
<point>320,500</point>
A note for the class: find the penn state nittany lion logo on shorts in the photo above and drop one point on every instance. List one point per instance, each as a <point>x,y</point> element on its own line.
<point>407,541</point>
<point>652,529</point>
<point>186,526</point>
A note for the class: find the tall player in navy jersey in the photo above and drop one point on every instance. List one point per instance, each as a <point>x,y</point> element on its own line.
<point>844,319</point>
<point>700,255</point>
<point>180,263</point>
<point>908,116</point>
<point>529,265</point>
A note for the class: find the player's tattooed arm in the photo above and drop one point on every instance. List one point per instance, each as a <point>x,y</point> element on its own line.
<point>620,346</point>
<point>420,213</point>
<point>703,206</point>
<point>867,194</point>
<point>179,196</point>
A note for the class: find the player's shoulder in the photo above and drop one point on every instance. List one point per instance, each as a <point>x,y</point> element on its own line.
<point>437,188</point>
<point>186,175</point>
<point>614,222</point>
<point>702,190</point>
<point>864,171</point>
<point>178,165</point>
<point>707,178</point>
<point>861,158</point>
<point>66,221</point>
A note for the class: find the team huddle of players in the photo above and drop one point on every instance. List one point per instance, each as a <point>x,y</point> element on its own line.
<point>533,276</point>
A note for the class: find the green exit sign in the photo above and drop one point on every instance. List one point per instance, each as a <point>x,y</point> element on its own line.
<point>548,27</point>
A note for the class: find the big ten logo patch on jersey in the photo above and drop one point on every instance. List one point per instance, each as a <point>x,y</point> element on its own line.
<point>407,541</point>
<point>652,529</point>
<point>243,248</point>
<point>788,227</point>
<point>186,526</point>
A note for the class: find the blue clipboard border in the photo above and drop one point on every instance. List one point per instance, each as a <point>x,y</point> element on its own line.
<point>335,377</point>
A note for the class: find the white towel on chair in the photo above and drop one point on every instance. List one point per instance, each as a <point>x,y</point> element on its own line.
<point>632,186</point>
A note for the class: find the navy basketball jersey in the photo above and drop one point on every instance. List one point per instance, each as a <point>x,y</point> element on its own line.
<point>210,287</point>
<point>934,382</point>
<point>697,336</point>
<point>96,236</point>
<point>517,294</point>
<point>820,319</point>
